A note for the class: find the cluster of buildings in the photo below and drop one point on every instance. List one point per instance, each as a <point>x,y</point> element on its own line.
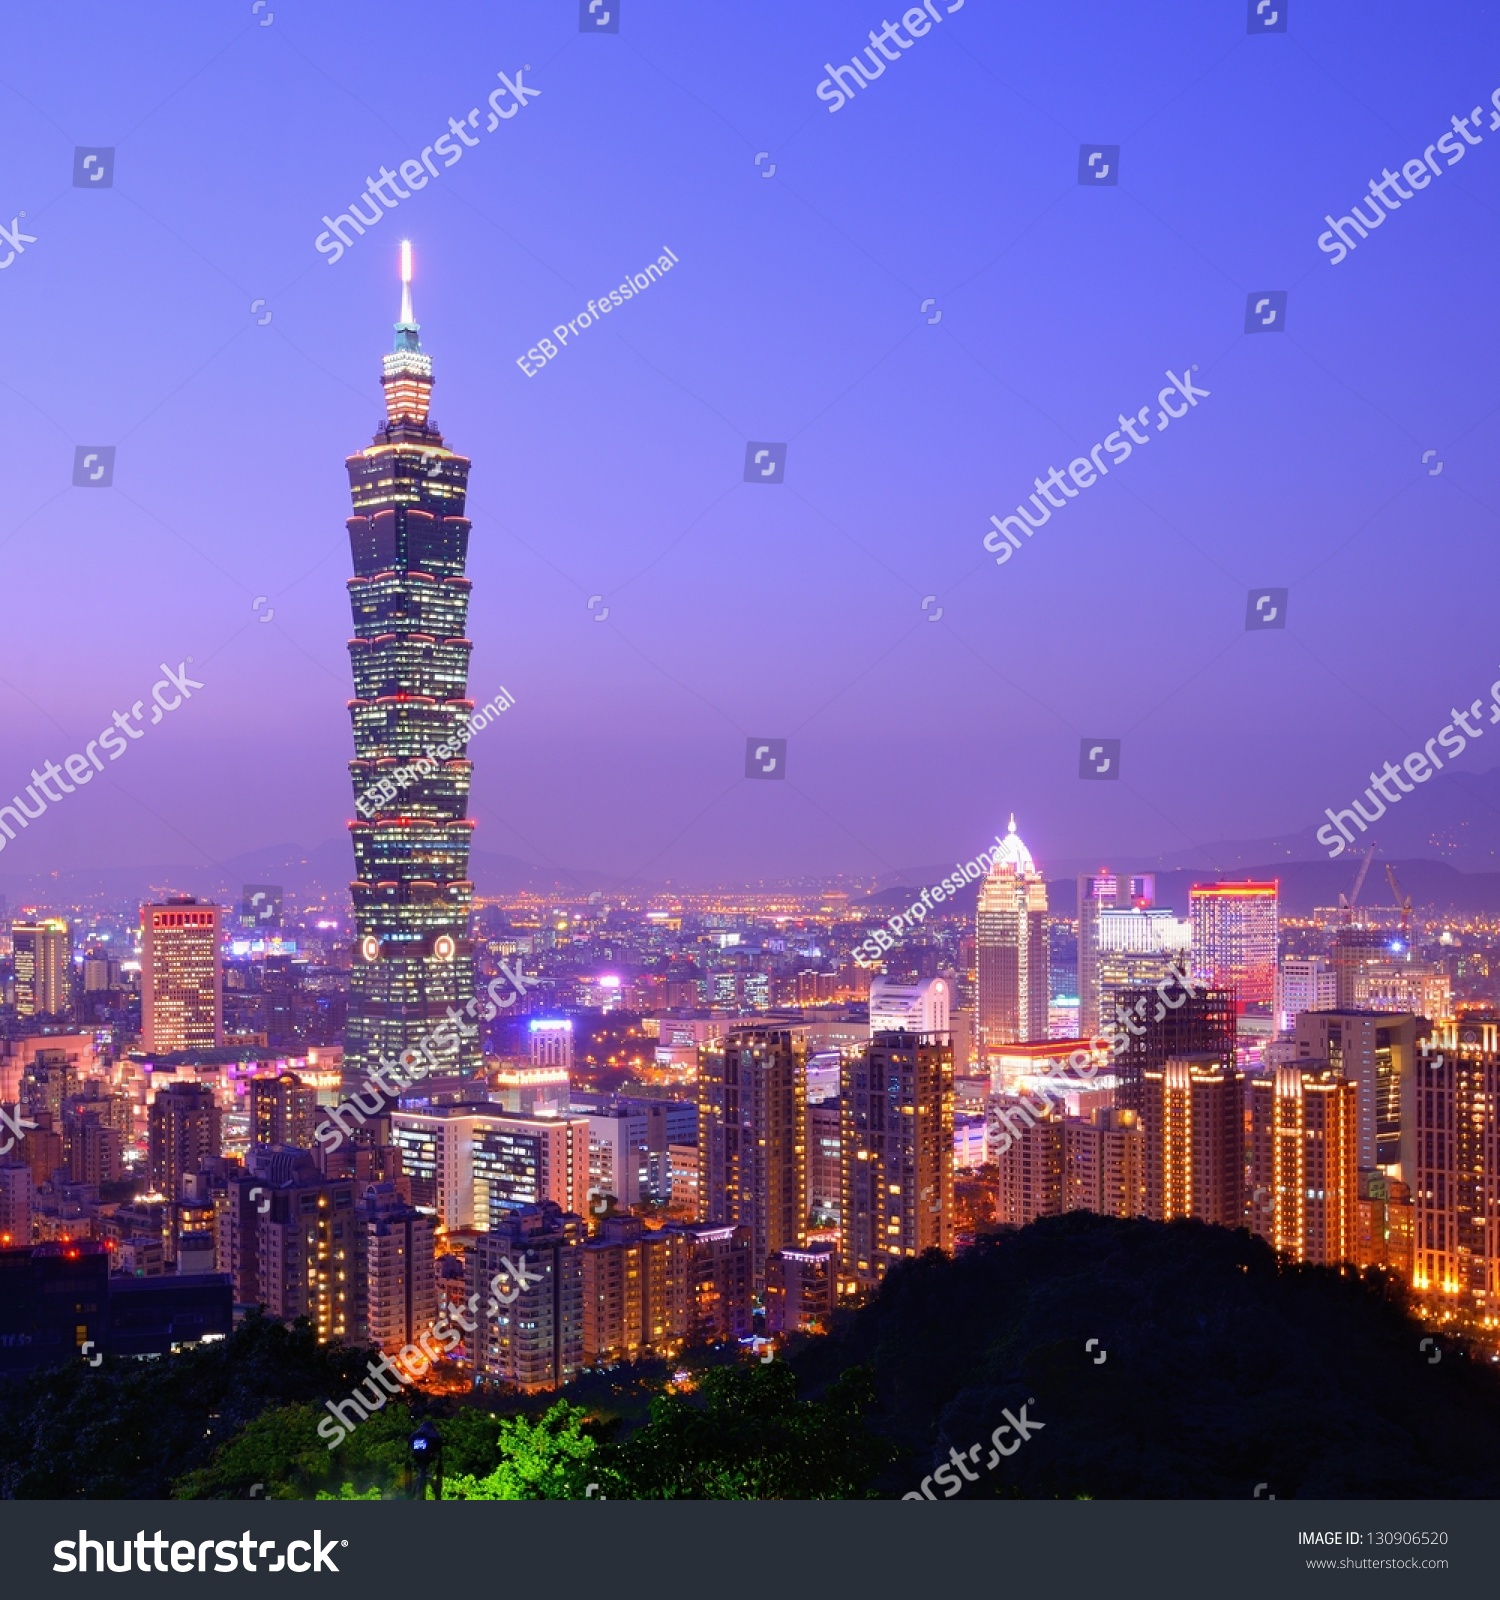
<point>699,1118</point>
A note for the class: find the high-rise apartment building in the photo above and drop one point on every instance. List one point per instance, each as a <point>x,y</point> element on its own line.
<point>410,654</point>
<point>896,1150</point>
<point>1010,949</point>
<point>184,1128</point>
<point>17,1198</point>
<point>1304,1169</point>
<point>1378,1052</point>
<point>752,1138</point>
<point>42,958</point>
<point>283,1110</point>
<point>1456,1156</point>
<point>1235,929</point>
<point>1193,1122</point>
<point>182,977</point>
<point>535,1340</point>
<point>396,1263</point>
<point>636,1298</point>
<point>293,1241</point>
<point>1099,892</point>
<point>1055,1164</point>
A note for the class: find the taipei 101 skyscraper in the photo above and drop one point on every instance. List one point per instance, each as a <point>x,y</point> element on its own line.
<point>410,652</point>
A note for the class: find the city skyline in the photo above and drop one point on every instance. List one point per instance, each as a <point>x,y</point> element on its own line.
<point>616,470</point>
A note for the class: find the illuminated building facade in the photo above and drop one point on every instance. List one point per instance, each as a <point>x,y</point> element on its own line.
<point>1194,1136</point>
<point>1303,983</point>
<point>1100,892</point>
<point>184,1127</point>
<point>182,973</point>
<point>396,1261</point>
<point>1235,927</point>
<point>1304,1168</point>
<point>752,1138</point>
<point>1456,1103</point>
<point>472,1166</point>
<point>1379,1053</point>
<point>283,1110</point>
<point>42,959</point>
<point>909,1008</point>
<point>535,1340</point>
<point>292,1241</point>
<point>1010,949</point>
<point>1201,1024</point>
<point>800,1290</point>
<point>896,1149</point>
<point>410,654</point>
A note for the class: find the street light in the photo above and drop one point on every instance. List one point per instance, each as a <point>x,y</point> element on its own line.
<point>424,1456</point>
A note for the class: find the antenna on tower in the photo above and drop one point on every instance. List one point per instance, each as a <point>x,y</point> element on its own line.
<point>407,319</point>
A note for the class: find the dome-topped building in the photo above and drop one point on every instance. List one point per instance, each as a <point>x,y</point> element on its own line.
<point>1010,949</point>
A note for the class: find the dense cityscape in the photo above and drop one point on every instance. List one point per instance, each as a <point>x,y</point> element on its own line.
<point>506,1142</point>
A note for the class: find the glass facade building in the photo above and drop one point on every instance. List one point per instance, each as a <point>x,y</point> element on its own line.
<point>410,654</point>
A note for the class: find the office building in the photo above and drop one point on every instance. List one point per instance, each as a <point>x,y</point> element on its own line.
<point>825,1174</point>
<point>909,1008</point>
<point>182,1002</point>
<point>1235,929</point>
<point>1303,983</point>
<point>1378,1052</point>
<point>1304,1169</point>
<point>42,958</point>
<point>184,1128</point>
<point>752,1138</point>
<point>471,1165</point>
<point>1010,949</point>
<point>1098,893</point>
<point>551,1042</point>
<point>410,650</point>
<point>396,1261</point>
<point>1193,1126</point>
<point>896,1149</point>
<point>535,1340</point>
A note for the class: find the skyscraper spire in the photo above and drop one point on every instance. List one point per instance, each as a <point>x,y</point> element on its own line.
<point>407,373</point>
<point>407,319</point>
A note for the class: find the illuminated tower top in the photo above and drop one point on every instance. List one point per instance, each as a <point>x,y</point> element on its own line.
<point>407,374</point>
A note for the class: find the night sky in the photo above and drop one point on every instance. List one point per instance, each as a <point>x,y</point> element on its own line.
<point>802,312</point>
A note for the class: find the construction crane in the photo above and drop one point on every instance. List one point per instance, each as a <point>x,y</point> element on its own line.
<point>1403,905</point>
<point>1346,906</point>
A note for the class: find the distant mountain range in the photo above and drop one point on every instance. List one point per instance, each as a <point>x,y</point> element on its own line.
<point>1443,840</point>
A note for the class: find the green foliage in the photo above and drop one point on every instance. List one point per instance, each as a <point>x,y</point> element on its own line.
<point>126,1429</point>
<point>543,1459</point>
<point>744,1435</point>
